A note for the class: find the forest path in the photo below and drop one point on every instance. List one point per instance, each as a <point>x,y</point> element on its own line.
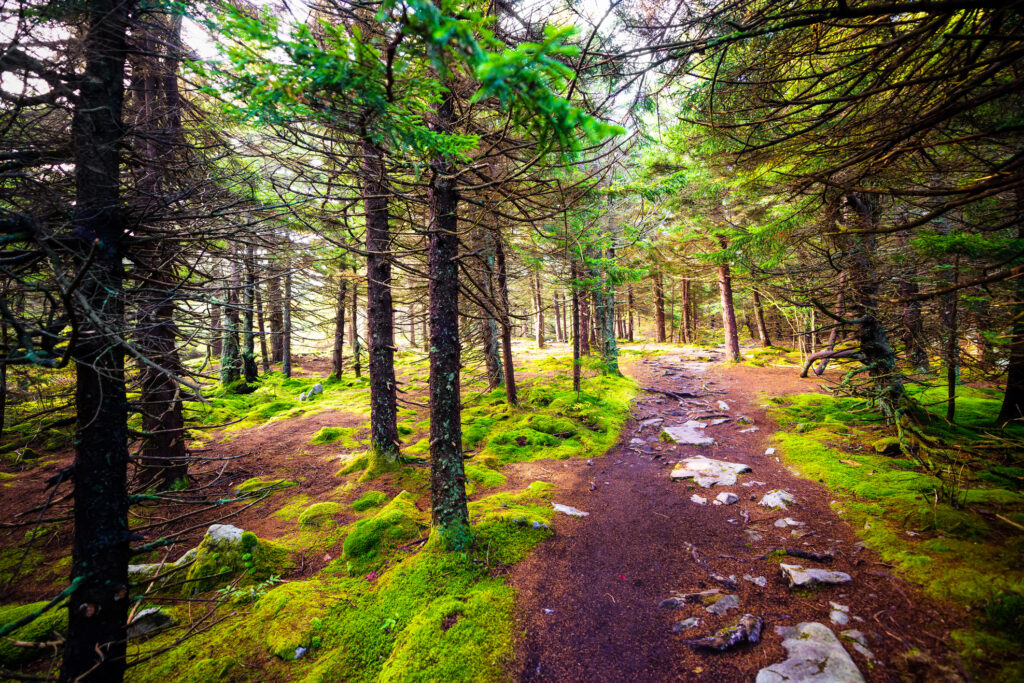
<point>589,597</point>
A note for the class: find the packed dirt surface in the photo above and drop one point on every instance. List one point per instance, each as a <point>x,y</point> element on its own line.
<point>589,597</point>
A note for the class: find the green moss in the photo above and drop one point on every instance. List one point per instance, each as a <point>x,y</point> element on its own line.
<point>319,513</point>
<point>886,445</point>
<point>342,436</point>
<point>369,500</point>
<point>371,540</point>
<point>485,477</point>
<point>219,560</point>
<point>290,615</point>
<point>49,626</point>
<point>263,484</point>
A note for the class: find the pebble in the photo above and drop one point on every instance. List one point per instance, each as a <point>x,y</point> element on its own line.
<point>726,498</point>
<point>757,580</point>
<point>840,614</point>
<point>684,624</point>
<point>815,655</point>
<point>769,451</point>
<point>707,472</point>
<point>569,510</point>
<point>723,604</point>
<point>798,576</point>
<point>699,500</point>
<point>777,499</point>
<point>787,521</point>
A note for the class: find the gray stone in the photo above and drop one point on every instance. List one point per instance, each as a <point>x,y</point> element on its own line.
<point>143,573</point>
<point>302,396</point>
<point>224,533</point>
<point>699,500</point>
<point>769,451</point>
<point>684,624</point>
<point>719,421</point>
<point>722,405</point>
<point>724,604</point>
<point>787,521</point>
<point>815,656</point>
<point>707,472</point>
<point>703,598</point>
<point>748,430</point>
<point>754,483</point>
<point>652,422</point>
<point>840,614</point>
<point>753,535</point>
<point>777,499</point>
<point>859,641</point>
<point>316,389</point>
<point>800,577</point>
<point>756,580</point>
<point>744,420</point>
<point>726,498</point>
<point>569,510</point>
<point>687,436</point>
<point>636,442</point>
<point>149,621</point>
<point>746,630</point>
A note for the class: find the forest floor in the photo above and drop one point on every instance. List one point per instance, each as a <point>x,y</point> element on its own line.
<point>589,597</point>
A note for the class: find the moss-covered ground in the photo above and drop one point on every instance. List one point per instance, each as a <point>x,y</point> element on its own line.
<point>949,517</point>
<point>344,581</point>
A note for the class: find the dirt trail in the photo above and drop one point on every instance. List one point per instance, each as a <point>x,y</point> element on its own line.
<point>589,596</point>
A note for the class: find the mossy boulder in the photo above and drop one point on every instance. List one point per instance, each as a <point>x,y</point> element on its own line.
<point>227,551</point>
<point>370,499</point>
<point>888,445</point>
<point>367,545</point>
<point>290,615</point>
<point>318,514</point>
<point>49,626</point>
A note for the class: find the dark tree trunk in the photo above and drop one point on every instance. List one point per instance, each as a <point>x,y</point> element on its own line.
<point>685,306</point>
<point>576,337</point>
<point>911,321</point>
<point>216,345</point>
<point>95,644</point>
<point>732,341</point>
<point>558,317</point>
<point>230,356</point>
<point>379,311</point>
<point>261,323</point>
<point>447,476</point>
<point>353,331</point>
<point>833,336</point>
<point>286,325</point>
<point>762,329</point>
<point>629,309</point>
<point>249,370</point>
<point>337,357</point>
<point>1013,397</point>
<point>659,307</point>
<point>275,304</point>
<point>584,322</point>
<point>609,347</point>
<point>952,345</point>
<point>511,396</point>
<point>538,305</point>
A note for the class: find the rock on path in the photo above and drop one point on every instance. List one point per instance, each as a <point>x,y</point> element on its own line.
<point>815,656</point>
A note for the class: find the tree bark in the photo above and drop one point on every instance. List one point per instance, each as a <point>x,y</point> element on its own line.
<point>659,307</point>
<point>249,370</point>
<point>538,305</point>
<point>261,323</point>
<point>95,644</point>
<point>275,304</point>
<point>732,342</point>
<point>629,309</point>
<point>286,325</point>
<point>952,344</point>
<point>353,330</point>
<point>230,360</point>
<point>511,395</point>
<point>337,357</point>
<point>447,476</point>
<point>576,341</point>
<point>762,329</point>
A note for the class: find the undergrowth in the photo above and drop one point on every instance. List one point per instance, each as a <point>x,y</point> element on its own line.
<point>970,553</point>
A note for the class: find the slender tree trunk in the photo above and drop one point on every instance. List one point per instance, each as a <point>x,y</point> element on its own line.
<point>576,341</point>
<point>275,302</point>
<point>584,320</point>
<point>629,308</point>
<point>952,350</point>
<point>511,395</point>
<point>538,305</point>
<point>286,325</point>
<point>261,324</point>
<point>230,360</point>
<point>732,341</point>
<point>762,329</point>
<point>659,307</point>
<point>337,357</point>
<point>353,331</point>
<point>606,291</point>
<point>215,346</point>
<point>249,369</point>
<point>685,311</point>
<point>558,318</point>
<point>447,476</point>
<point>95,644</point>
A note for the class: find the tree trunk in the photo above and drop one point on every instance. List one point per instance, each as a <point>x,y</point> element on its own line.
<point>762,329</point>
<point>249,369</point>
<point>659,307</point>
<point>511,395</point>
<point>261,323</point>
<point>606,291</point>
<point>337,357</point>
<point>558,318</point>
<point>538,305</point>
<point>379,311</point>
<point>95,644</point>
<point>584,323</point>
<point>952,345</point>
<point>447,476</point>
<point>732,342</point>
<point>685,306</point>
<point>230,360</point>
<point>353,330</point>
<point>576,341</point>
<point>275,303</point>
<point>216,346</point>
<point>286,325</point>
<point>629,309</point>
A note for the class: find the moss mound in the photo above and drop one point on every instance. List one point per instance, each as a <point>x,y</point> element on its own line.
<point>226,552</point>
<point>367,545</point>
<point>263,484</point>
<point>289,616</point>
<point>368,500</point>
<point>318,513</point>
<point>49,626</point>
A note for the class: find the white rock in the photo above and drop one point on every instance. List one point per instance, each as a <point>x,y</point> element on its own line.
<point>815,656</point>
<point>707,472</point>
<point>777,499</point>
<point>748,430</point>
<point>636,442</point>
<point>722,405</point>
<point>859,642</point>
<point>652,422</point>
<point>726,498</point>
<point>316,389</point>
<point>757,580</point>
<point>718,421</point>
<point>798,576</point>
<point>754,483</point>
<point>699,500</point>
<point>688,436</point>
<point>787,521</point>
<point>219,533</point>
<point>769,451</point>
<point>723,604</point>
<point>840,614</point>
<point>569,510</point>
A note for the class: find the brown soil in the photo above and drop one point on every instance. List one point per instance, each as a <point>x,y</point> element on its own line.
<point>589,596</point>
